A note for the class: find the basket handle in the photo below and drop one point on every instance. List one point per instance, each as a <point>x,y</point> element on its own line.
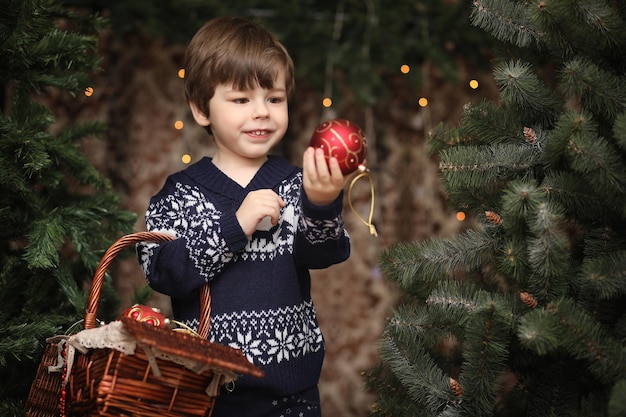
<point>98,279</point>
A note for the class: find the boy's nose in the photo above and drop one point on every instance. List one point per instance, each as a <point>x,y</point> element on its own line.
<point>260,110</point>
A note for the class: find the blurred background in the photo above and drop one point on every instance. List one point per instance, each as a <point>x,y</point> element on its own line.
<point>397,69</point>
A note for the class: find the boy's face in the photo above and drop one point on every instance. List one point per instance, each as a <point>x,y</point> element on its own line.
<point>247,124</point>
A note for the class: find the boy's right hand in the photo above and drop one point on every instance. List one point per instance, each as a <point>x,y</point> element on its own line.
<point>256,206</point>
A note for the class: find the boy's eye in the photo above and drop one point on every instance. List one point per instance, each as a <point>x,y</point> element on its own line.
<point>240,100</point>
<point>276,100</point>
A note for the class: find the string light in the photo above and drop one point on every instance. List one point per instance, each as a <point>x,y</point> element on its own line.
<point>89,91</point>
<point>423,102</point>
<point>327,102</point>
<point>178,124</point>
<point>405,69</point>
<point>473,84</point>
<point>460,216</point>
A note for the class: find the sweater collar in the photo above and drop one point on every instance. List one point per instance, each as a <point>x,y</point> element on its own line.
<point>271,173</point>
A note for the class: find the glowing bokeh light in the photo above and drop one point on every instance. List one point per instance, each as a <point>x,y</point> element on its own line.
<point>181,73</point>
<point>89,91</point>
<point>186,158</point>
<point>460,216</point>
<point>405,69</point>
<point>178,124</point>
<point>423,102</point>
<point>473,84</point>
<point>327,102</point>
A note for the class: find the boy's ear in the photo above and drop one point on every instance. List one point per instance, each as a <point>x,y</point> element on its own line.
<point>198,115</point>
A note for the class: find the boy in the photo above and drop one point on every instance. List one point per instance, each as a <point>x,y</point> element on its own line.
<point>249,223</point>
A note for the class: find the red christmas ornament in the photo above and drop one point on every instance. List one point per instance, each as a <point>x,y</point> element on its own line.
<point>146,314</point>
<point>343,140</point>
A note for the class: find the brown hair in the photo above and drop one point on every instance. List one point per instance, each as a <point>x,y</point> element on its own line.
<point>237,51</point>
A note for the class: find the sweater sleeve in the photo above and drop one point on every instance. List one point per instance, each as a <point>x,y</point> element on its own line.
<point>207,240</point>
<point>321,239</point>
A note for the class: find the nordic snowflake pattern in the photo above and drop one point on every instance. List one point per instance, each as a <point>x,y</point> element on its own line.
<point>277,240</point>
<point>269,336</point>
<point>296,406</point>
<point>187,213</point>
<point>319,231</point>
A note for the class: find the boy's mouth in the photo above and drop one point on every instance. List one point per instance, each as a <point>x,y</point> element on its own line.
<point>259,132</point>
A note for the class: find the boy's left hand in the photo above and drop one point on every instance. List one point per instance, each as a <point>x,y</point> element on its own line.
<point>323,181</point>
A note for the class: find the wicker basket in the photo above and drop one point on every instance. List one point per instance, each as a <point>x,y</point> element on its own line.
<point>107,382</point>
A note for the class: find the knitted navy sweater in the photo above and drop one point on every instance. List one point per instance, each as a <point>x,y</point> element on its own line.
<point>260,286</point>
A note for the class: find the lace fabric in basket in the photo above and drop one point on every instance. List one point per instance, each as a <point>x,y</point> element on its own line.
<point>109,336</point>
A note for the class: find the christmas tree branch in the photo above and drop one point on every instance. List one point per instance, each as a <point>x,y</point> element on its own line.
<point>562,324</point>
<point>487,337</point>
<point>417,266</point>
<point>424,382</point>
<point>505,20</point>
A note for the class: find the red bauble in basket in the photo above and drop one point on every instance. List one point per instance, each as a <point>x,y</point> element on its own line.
<point>343,140</point>
<point>146,314</point>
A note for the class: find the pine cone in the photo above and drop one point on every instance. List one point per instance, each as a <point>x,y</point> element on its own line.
<point>530,135</point>
<point>456,387</point>
<point>493,217</point>
<point>528,299</point>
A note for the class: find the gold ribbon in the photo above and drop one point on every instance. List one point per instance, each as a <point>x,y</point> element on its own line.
<point>365,173</point>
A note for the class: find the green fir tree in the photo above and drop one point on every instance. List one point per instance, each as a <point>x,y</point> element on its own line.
<point>57,213</point>
<point>524,313</point>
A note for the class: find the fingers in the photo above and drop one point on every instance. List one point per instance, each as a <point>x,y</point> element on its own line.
<point>335,169</point>
<point>323,180</point>
<point>318,169</point>
<point>256,206</point>
<point>265,203</point>
<point>308,163</point>
<point>321,166</point>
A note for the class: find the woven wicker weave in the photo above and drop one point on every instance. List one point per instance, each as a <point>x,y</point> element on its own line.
<point>106,382</point>
<point>45,391</point>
